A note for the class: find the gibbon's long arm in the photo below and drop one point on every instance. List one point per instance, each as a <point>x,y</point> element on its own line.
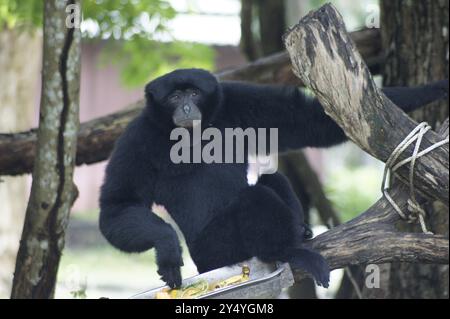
<point>300,119</point>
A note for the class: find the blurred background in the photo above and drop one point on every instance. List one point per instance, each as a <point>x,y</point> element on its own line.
<point>126,44</point>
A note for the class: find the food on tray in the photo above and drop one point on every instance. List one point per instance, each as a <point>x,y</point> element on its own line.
<point>203,287</point>
<point>235,279</point>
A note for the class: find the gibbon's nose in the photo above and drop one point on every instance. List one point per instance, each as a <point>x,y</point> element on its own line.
<point>186,109</point>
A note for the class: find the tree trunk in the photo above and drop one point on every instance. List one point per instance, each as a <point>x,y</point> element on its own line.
<point>52,191</point>
<point>248,43</point>
<point>272,25</point>
<point>415,35</point>
<point>415,38</point>
<point>19,65</point>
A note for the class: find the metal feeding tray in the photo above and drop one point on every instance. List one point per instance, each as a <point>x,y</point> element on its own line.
<point>266,281</point>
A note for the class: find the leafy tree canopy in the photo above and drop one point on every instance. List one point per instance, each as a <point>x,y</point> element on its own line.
<point>139,38</point>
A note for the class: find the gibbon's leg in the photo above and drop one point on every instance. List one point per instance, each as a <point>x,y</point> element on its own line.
<point>281,185</point>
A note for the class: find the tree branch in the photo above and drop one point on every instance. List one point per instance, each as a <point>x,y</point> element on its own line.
<point>96,137</point>
<point>371,238</point>
<point>325,58</point>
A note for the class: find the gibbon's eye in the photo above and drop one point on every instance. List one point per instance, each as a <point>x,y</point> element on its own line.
<point>194,93</point>
<point>174,97</point>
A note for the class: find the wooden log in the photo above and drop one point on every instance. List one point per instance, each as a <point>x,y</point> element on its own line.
<point>325,58</point>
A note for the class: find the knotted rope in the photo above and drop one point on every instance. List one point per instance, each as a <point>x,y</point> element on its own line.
<point>416,212</point>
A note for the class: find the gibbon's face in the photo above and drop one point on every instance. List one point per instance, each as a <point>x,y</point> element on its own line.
<point>179,98</point>
<point>184,104</point>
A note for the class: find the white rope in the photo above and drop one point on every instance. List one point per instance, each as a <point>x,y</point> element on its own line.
<point>416,212</point>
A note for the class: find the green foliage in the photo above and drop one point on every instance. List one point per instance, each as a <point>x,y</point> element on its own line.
<point>21,14</point>
<point>353,190</point>
<point>127,19</point>
<point>140,42</point>
<point>154,58</point>
<point>138,27</point>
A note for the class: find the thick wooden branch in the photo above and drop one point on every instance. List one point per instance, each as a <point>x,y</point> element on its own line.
<point>325,58</point>
<point>96,138</point>
<point>371,238</point>
<point>95,141</point>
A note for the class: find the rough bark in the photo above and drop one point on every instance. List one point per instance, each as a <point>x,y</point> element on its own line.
<point>96,138</point>
<point>373,238</point>
<point>52,190</point>
<point>415,35</point>
<point>326,59</point>
<point>415,38</point>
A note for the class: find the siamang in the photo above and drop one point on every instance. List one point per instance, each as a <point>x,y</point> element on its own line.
<point>223,218</point>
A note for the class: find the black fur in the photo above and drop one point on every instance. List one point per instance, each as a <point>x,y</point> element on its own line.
<point>224,220</point>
